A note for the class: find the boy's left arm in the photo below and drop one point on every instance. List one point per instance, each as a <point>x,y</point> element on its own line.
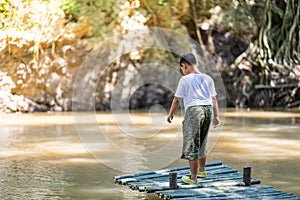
<point>173,108</point>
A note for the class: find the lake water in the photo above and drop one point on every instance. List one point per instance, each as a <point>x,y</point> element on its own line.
<point>67,156</point>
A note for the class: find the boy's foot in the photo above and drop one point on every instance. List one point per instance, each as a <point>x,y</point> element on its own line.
<point>188,180</point>
<point>201,174</point>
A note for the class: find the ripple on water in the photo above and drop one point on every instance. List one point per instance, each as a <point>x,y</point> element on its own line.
<point>31,179</point>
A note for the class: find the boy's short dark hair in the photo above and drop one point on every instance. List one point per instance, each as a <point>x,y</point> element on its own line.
<point>188,58</point>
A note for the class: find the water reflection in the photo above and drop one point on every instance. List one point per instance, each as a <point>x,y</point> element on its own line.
<point>42,157</point>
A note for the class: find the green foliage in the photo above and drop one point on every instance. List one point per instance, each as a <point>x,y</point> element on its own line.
<point>71,8</point>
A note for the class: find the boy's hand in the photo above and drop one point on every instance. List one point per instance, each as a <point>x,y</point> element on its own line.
<point>216,122</point>
<point>170,118</point>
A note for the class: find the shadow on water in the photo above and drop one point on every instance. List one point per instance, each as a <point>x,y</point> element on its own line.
<point>42,156</point>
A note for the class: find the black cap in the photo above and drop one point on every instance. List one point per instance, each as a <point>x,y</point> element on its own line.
<point>188,58</point>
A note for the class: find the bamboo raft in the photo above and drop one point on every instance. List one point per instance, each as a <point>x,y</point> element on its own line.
<point>221,182</point>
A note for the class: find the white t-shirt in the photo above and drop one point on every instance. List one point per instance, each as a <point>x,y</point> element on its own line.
<point>196,89</point>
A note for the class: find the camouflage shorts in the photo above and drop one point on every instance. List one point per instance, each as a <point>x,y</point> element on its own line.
<point>195,128</point>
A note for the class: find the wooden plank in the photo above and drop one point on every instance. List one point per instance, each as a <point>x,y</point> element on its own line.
<point>158,174</point>
<point>275,86</point>
<point>116,178</point>
<point>201,192</point>
<point>181,173</point>
<point>253,192</point>
<point>161,183</point>
<point>237,192</point>
<point>219,183</point>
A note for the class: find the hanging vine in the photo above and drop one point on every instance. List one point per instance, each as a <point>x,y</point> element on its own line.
<point>269,68</point>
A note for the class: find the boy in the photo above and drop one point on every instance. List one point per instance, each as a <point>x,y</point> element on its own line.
<point>199,97</point>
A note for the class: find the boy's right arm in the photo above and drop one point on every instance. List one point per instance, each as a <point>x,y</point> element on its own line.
<point>173,108</point>
<point>216,120</point>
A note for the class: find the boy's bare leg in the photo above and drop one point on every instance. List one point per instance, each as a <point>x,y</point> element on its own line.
<point>201,164</point>
<point>193,168</point>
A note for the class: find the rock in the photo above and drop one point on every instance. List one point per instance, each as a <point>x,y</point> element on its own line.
<point>38,65</point>
<point>34,107</point>
<point>12,103</point>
